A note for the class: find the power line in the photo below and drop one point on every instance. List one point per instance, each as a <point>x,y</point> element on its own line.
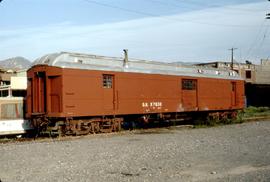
<point>217,6</point>
<point>264,36</point>
<point>263,39</point>
<point>169,4</point>
<point>260,39</point>
<point>162,17</point>
<point>119,8</point>
<point>202,6</point>
<point>258,35</point>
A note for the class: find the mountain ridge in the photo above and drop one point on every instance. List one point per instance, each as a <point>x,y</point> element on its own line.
<point>15,63</point>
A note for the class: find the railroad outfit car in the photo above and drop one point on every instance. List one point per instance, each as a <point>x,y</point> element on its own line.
<point>70,93</point>
<point>12,121</point>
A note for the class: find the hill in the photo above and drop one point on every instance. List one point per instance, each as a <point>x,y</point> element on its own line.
<point>16,63</point>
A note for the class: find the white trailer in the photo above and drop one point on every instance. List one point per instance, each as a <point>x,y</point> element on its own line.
<point>12,120</point>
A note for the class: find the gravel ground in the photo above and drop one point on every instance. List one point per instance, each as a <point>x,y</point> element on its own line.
<point>228,153</point>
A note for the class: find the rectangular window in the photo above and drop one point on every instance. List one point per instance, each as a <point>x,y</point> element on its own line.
<point>107,81</point>
<point>12,111</point>
<point>189,84</point>
<point>248,74</point>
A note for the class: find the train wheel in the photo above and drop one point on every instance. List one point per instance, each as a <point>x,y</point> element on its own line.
<point>61,131</point>
<point>116,125</point>
<point>95,128</point>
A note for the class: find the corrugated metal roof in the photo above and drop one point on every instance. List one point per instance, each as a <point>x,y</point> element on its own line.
<point>95,62</point>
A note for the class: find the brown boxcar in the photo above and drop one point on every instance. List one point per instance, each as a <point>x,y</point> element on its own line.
<point>78,93</point>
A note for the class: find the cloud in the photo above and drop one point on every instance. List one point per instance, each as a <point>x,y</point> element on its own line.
<point>195,36</point>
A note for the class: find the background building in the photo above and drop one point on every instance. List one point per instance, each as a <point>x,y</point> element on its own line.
<point>257,78</point>
<point>13,83</point>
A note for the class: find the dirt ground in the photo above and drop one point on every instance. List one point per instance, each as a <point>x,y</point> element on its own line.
<point>226,153</point>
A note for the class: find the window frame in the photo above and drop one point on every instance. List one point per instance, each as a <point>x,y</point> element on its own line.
<point>248,74</point>
<point>189,84</point>
<point>107,81</point>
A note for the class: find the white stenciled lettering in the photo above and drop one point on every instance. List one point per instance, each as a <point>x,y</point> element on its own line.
<point>144,104</point>
<point>152,104</point>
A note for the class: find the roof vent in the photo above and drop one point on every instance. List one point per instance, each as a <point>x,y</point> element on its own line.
<point>200,71</point>
<point>125,58</point>
<point>76,60</point>
<point>47,61</point>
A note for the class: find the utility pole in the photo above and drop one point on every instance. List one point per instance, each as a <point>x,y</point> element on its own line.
<point>232,50</point>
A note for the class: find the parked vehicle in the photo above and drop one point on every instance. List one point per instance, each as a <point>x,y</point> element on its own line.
<point>12,121</point>
<point>71,93</point>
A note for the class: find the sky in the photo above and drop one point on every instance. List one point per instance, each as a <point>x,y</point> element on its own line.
<point>160,30</point>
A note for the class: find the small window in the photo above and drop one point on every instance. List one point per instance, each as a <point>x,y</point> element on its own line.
<point>18,93</point>
<point>12,111</point>
<point>107,81</point>
<point>248,74</point>
<point>188,84</point>
<point>4,93</point>
<point>40,74</point>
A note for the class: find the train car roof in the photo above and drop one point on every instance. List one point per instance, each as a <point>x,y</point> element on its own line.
<point>117,64</point>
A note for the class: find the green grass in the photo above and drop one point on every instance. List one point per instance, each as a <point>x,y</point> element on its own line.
<point>248,114</point>
<point>251,111</point>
